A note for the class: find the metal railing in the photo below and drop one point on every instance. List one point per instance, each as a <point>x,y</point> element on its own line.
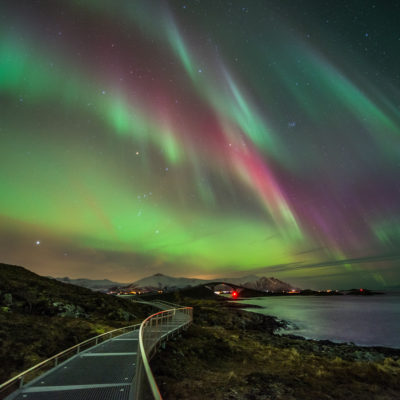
<point>153,331</point>
<point>23,378</point>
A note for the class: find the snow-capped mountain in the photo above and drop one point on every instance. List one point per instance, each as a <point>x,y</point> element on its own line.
<point>165,282</point>
<point>160,281</point>
<point>270,284</point>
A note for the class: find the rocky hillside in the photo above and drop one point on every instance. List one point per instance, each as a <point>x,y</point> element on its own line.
<point>23,292</point>
<point>40,317</point>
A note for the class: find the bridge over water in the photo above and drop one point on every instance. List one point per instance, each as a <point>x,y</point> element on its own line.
<point>112,366</point>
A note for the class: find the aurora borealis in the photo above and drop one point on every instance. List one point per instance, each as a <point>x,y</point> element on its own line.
<point>201,138</point>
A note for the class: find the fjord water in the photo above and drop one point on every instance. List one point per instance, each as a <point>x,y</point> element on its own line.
<point>363,320</point>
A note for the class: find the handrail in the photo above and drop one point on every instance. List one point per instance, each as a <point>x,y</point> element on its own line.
<point>150,334</point>
<point>56,357</point>
<point>153,330</point>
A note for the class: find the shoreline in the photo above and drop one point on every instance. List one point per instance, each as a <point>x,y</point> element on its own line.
<point>388,351</point>
<point>290,327</point>
<point>231,353</point>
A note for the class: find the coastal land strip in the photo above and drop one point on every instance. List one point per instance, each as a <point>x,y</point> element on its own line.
<point>232,354</point>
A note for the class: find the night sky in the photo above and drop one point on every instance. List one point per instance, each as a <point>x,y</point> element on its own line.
<point>202,138</point>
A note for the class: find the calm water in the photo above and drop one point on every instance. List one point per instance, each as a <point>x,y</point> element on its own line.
<point>366,321</point>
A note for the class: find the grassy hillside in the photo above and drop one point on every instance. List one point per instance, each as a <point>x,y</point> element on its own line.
<point>40,317</point>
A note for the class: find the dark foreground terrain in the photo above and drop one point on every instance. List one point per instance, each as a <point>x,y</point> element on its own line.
<point>227,354</point>
<point>39,317</point>
<point>230,354</point>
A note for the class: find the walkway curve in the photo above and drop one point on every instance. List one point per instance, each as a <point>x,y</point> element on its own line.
<point>114,365</point>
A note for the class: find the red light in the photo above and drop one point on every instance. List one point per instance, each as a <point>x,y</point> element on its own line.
<point>235,294</point>
<point>361,290</point>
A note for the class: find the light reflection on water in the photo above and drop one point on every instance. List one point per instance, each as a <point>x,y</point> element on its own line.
<point>363,320</point>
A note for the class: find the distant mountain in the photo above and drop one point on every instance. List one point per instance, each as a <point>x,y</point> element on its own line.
<point>101,284</point>
<point>165,282</point>
<point>160,281</point>
<point>270,284</point>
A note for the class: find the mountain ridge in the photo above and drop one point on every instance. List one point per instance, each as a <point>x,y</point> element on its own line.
<point>94,284</point>
<point>159,281</point>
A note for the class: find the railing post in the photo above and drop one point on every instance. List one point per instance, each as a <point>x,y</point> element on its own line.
<point>21,381</point>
